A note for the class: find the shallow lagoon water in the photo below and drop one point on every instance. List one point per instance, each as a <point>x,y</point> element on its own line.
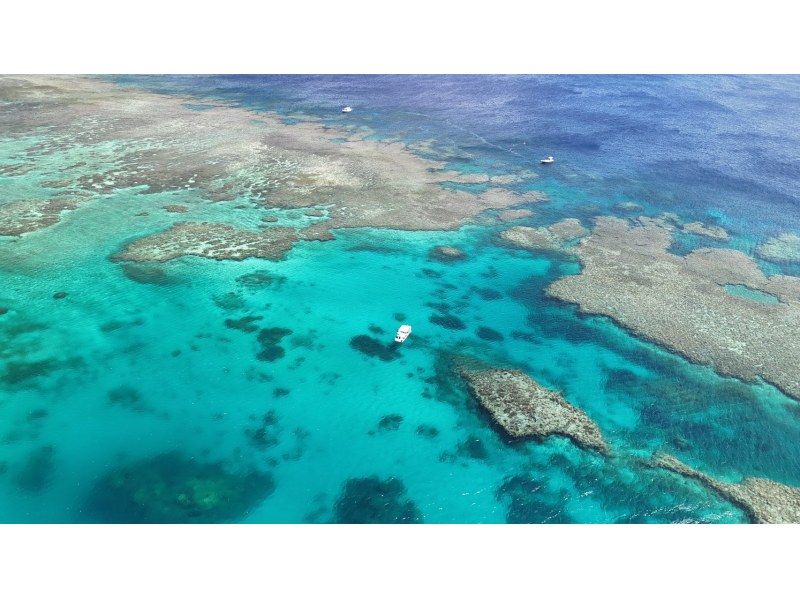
<point>144,361</point>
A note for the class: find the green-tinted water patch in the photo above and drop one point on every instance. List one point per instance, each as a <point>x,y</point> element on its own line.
<point>745,292</point>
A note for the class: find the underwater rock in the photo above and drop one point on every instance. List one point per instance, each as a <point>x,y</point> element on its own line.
<point>487,294</point>
<point>448,321</point>
<point>489,334</point>
<point>472,448</point>
<point>681,302</point>
<point>447,253</point>
<point>705,230</point>
<point>245,324</point>
<point>530,501</point>
<point>145,274</point>
<point>427,431</point>
<point>173,488</point>
<point>125,396</point>
<point>551,238</point>
<point>374,348</point>
<point>372,500</point>
<point>209,240</point>
<point>176,209</point>
<point>259,279</point>
<point>37,470</point>
<point>269,338</point>
<point>22,372</point>
<point>266,435</point>
<point>59,295</point>
<point>764,501</point>
<point>781,249</point>
<point>20,217</point>
<point>524,408</point>
<point>390,422</point>
<point>628,206</point>
<point>3,311</point>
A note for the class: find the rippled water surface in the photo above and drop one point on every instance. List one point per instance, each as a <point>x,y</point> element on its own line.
<point>273,389</point>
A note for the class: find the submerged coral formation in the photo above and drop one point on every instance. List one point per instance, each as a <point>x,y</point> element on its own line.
<point>781,249</point>
<point>210,240</point>
<point>553,238</point>
<point>682,302</point>
<point>706,230</point>
<point>173,488</point>
<point>524,408</point>
<point>20,217</point>
<point>373,500</point>
<point>764,500</point>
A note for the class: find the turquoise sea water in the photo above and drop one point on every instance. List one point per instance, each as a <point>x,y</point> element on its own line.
<point>152,373</point>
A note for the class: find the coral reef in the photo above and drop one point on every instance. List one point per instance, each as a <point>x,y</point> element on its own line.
<point>765,501</point>
<point>705,230</point>
<point>372,500</point>
<point>552,238</point>
<point>446,253</point>
<point>524,408</point>
<point>682,302</point>
<point>209,240</point>
<point>20,217</point>
<point>174,488</point>
<point>781,249</point>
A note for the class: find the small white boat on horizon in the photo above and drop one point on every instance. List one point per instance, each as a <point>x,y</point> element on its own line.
<point>402,333</point>
<point>547,160</point>
<point>347,109</point>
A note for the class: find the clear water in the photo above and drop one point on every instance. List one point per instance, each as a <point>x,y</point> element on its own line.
<point>124,370</point>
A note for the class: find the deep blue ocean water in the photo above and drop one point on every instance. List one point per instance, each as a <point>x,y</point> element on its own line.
<point>135,380</point>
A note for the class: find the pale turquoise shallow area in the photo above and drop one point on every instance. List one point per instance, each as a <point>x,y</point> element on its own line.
<point>203,392</point>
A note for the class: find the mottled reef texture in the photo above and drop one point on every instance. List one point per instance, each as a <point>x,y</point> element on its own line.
<point>553,238</point>
<point>681,302</point>
<point>524,408</point>
<point>764,501</point>
<point>20,217</point>
<point>135,138</point>
<point>782,249</point>
<point>705,230</point>
<point>206,239</point>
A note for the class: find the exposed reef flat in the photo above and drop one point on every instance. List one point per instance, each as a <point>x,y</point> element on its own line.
<point>155,143</point>
<point>20,217</point>
<point>705,230</point>
<point>552,238</point>
<point>524,408</point>
<point>210,240</point>
<point>508,215</point>
<point>682,302</point>
<point>765,501</point>
<point>781,249</point>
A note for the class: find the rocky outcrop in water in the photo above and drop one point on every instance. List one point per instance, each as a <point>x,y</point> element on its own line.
<point>525,409</point>
<point>682,302</point>
<point>764,501</point>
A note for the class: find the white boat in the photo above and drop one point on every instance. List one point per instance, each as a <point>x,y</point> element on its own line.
<point>547,160</point>
<point>347,109</point>
<point>402,333</point>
